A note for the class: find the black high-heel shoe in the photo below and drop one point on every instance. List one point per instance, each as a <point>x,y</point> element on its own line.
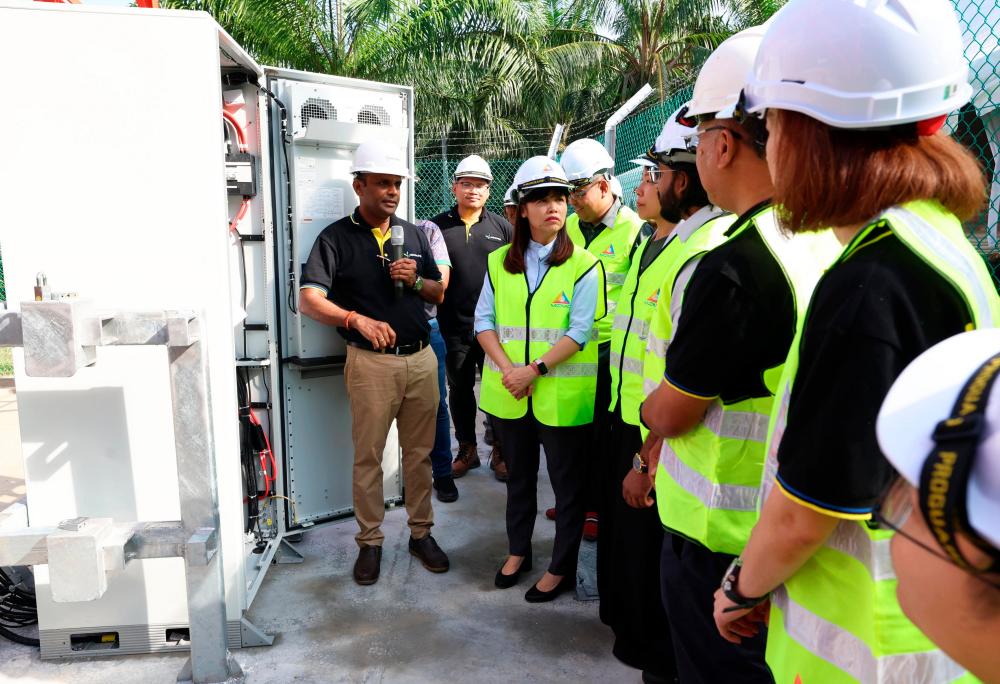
<point>502,581</point>
<point>536,595</point>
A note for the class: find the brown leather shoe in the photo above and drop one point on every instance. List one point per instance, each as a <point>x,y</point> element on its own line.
<point>366,568</point>
<point>430,554</point>
<point>497,464</point>
<point>466,460</point>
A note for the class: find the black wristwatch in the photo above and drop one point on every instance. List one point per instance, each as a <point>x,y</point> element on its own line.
<point>729,582</point>
<point>542,368</point>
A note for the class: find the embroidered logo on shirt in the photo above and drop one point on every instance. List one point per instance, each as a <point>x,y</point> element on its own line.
<point>494,237</point>
<point>654,298</point>
<point>609,252</point>
<point>561,300</point>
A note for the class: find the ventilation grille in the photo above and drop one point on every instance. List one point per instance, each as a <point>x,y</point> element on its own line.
<point>316,108</point>
<point>374,115</point>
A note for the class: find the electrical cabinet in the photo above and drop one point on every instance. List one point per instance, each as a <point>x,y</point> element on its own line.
<point>127,106</point>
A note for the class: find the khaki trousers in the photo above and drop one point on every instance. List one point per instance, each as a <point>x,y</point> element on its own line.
<point>383,387</point>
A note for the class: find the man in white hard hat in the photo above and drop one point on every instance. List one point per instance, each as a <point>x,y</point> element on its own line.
<point>471,232</point>
<point>610,231</point>
<point>628,555</point>
<point>350,282</point>
<point>713,403</point>
<point>940,429</point>
<point>510,205</point>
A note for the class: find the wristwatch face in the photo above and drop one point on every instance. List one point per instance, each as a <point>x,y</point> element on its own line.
<point>418,284</point>
<point>638,465</point>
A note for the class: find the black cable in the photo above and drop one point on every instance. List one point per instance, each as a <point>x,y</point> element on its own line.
<point>18,609</point>
<point>289,214</point>
<point>17,638</point>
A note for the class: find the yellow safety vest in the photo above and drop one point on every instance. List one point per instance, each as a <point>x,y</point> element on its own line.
<point>528,325</point>
<point>646,294</point>
<point>611,247</point>
<point>709,235</point>
<point>837,619</point>
<point>708,479</point>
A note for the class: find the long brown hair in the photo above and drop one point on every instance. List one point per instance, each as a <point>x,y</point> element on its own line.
<point>513,262</point>
<point>840,177</point>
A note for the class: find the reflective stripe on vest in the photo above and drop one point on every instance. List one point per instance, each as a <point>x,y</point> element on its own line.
<point>611,247</point>
<point>727,447</point>
<point>852,655</point>
<point>800,640</point>
<point>639,327</point>
<point>699,240</point>
<point>627,364</point>
<point>528,325</point>
<point>563,370</point>
<point>711,494</point>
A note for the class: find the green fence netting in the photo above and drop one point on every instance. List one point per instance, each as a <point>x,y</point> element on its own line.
<point>977,125</point>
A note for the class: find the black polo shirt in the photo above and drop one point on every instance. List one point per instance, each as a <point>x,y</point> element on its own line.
<point>738,320</point>
<point>872,313</point>
<point>346,264</point>
<point>468,249</point>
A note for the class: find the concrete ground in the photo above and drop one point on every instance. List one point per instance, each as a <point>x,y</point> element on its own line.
<point>412,626</point>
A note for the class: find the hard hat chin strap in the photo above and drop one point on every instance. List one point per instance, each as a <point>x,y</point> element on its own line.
<point>944,481</point>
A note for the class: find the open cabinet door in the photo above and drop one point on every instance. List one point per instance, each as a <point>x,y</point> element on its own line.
<point>327,117</point>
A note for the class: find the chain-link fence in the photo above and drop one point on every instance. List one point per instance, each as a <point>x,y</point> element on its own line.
<point>977,125</point>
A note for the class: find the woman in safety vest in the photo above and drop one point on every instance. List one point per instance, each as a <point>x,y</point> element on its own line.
<point>535,321</point>
<point>940,428</point>
<point>855,95</point>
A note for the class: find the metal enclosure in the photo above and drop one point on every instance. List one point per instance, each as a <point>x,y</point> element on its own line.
<point>114,178</point>
<point>327,118</point>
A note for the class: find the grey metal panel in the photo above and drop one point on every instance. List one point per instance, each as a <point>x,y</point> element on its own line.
<point>320,451</point>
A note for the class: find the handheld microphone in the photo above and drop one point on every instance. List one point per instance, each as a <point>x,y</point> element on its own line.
<point>396,241</point>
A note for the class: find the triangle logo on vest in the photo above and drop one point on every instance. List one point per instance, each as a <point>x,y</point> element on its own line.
<point>561,300</point>
<point>609,251</point>
<point>654,298</point>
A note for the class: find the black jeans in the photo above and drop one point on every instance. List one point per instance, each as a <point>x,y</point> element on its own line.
<point>597,458</point>
<point>689,577</point>
<point>522,439</point>
<point>628,563</point>
<point>465,356</point>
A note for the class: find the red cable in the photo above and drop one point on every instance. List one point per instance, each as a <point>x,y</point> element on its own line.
<point>244,207</point>
<point>241,137</point>
<point>268,479</point>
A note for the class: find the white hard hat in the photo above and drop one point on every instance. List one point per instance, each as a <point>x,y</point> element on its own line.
<point>584,158</point>
<point>923,396</point>
<point>539,172</point>
<point>722,77</point>
<point>474,166</point>
<point>377,156</point>
<point>862,64</point>
<point>508,197</point>
<point>672,142</point>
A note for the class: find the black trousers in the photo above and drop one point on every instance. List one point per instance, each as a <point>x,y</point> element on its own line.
<point>690,575</point>
<point>464,358</point>
<point>596,456</point>
<point>522,439</point>
<point>628,563</point>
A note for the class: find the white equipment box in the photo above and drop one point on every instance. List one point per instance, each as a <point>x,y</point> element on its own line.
<point>115,185</point>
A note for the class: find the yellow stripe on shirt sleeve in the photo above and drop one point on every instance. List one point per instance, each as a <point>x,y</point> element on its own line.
<point>820,509</point>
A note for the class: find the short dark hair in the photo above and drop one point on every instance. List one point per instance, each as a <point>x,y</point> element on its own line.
<point>841,177</point>
<point>514,260</point>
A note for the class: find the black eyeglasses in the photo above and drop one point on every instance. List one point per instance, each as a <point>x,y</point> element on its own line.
<point>692,143</point>
<point>896,508</point>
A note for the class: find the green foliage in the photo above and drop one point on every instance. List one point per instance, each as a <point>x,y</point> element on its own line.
<point>492,75</point>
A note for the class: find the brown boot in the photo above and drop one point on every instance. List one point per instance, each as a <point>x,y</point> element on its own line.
<point>497,464</point>
<point>466,460</point>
